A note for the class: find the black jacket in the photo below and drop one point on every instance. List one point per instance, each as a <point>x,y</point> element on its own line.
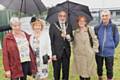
<point>58,43</point>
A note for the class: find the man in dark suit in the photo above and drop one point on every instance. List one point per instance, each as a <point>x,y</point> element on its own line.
<point>61,35</point>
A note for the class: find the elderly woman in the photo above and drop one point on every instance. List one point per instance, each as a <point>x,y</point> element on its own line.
<point>18,57</point>
<point>85,45</point>
<point>40,43</point>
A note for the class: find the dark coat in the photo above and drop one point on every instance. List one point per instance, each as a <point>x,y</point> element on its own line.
<point>58,43</point>
<point>11,57</point>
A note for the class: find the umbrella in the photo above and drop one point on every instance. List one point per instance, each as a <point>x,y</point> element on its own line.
<point>26,6</point>
<point>5,28</point>
<point>73,9</point>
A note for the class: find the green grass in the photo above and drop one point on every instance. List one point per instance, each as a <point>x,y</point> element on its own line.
<point>116,69</point>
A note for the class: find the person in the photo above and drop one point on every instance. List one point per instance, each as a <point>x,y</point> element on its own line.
<point>85,45</point>
<point>40,42</point>
<point>18,56</point>
<point>33,19</point>
<point>108,37</point>
<point>61,35</point>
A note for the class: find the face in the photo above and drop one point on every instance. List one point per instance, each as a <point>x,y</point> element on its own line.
<point>105,18</point>
<point>16,26</point>
<point>82,22</point>
<point>37,28</point>
<point>62,16</point>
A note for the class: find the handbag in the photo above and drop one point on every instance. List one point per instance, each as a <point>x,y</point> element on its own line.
<point>45,59</point>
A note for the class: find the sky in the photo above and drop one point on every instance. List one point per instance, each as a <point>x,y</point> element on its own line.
<point>1,7</point>
<point>91,3</point>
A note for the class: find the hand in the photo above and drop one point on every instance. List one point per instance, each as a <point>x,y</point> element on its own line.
<point>8,74</point>
<point>68,37</point>
<point>54,57</point>
<point>63,35</point>
<point>50,60</point>
<point>95,50</point>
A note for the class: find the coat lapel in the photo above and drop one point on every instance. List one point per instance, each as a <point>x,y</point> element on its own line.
<point>58,24</point>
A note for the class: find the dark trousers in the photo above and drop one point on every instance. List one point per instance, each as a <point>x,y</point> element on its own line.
<point>108,63</point>
<point>63,62</point>
<point>26,71</point>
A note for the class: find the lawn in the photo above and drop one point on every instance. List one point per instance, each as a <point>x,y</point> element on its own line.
<point>116,69</point>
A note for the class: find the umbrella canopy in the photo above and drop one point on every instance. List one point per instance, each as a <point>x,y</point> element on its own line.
<point>74,10</point>
<point>26,6</point>
<point>5,28</point>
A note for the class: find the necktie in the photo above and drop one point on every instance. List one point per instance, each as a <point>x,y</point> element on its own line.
<point>63,28</point>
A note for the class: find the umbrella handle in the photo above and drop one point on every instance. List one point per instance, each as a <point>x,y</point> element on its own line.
<point>21,8</point>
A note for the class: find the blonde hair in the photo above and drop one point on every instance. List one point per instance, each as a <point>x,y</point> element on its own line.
<point>38,22</point>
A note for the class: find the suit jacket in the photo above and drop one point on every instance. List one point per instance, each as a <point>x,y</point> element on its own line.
<point>58,43</point>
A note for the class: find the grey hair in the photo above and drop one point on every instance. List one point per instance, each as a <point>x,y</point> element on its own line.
<point>13,20</point>
<point>105,11</point>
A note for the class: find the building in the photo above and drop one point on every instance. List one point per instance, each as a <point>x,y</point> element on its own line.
<point>115,13</point>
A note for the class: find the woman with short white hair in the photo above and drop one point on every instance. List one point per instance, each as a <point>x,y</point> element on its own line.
<point>18,57</point>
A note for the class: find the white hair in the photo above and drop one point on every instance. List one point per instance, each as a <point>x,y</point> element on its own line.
<point>105,12</point>
<point>14,20</point>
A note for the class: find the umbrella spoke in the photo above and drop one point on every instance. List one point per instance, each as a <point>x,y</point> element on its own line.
<point>27,6</point>
<point>10,3</point>
<point>37,5</point>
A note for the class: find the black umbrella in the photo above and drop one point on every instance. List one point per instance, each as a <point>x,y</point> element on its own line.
<point>73,9</point>
<point>26,6</point>
<point>5,28</point>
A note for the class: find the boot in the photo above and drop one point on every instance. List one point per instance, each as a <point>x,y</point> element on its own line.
<point>109,79</point>
<point>81,78</point>
<point>100,78</point>
<point>87,78</point>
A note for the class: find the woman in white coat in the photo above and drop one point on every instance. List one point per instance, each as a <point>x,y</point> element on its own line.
<point>40,43</point>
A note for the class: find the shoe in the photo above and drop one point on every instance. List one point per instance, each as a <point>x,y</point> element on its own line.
<point>109,79</point>
<point>100,78</point>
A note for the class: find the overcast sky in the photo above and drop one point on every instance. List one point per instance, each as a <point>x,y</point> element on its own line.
<point>90,3</point>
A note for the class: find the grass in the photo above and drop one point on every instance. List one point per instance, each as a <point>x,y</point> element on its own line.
<point>116,69</point>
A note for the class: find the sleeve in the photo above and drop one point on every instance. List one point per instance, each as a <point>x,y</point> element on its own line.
<point>116,37</point>
<point>5,55</point>
<point>52,37</point>
<point>49,45</point>
<point>96,29</point>
<point>74,34</point>
<point>71,34</point>
<point>95,40</point>
<point>31,42</point>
